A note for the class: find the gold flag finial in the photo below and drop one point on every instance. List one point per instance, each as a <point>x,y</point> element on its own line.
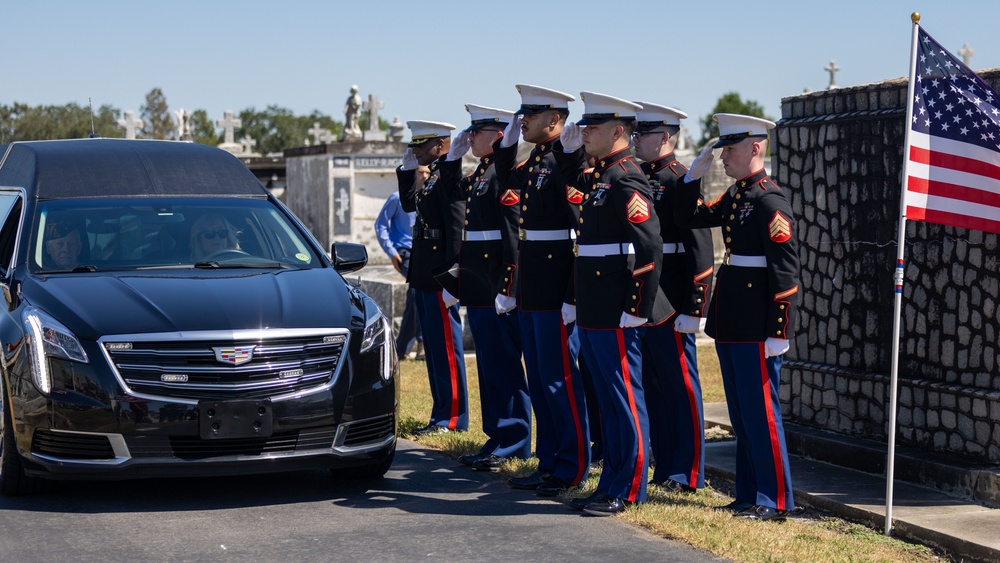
<point>915,17</point>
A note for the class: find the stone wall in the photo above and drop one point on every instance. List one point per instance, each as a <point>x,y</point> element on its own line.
<point>840,154</point>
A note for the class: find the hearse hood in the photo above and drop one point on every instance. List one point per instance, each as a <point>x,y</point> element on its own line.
<point>95,305</point>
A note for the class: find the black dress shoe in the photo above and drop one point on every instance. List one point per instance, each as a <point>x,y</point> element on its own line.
<point>430,430</point>
<point>528,483</point>
<point>676,487</point>
<point>488,463</point>
<point>551,487</point>
<point>762,513</point>
<point>469,459</point>
<point>580,503</point>
<point>608,506</point>
<point>735,506</point>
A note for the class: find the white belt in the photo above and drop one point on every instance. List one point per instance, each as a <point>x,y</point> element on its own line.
<point>745,261</point>
<point>536,234</point>
<point>612,249</point>
<point>673,247</point>
<point>481,235</point>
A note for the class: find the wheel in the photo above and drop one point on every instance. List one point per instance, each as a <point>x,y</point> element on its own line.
<point>13,479</point>
<point>225,254</point>
<point>364,472</point>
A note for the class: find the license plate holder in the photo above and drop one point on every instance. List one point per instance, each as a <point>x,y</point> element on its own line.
<point>220,420</point>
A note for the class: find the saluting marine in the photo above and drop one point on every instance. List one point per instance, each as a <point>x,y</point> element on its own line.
<point>752,311</point>
<point>544,288</point>
<point>437,235</point>
<point>617,273</point>
<point>489,244</point>
<point>670,356</point>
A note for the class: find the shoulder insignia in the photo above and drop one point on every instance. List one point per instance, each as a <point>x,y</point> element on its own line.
<point>573,195</point>
<point>637,208</point>
<point>780,229</point>
<point>768,184</point>
<point>677,168</point>
<point>509,197</point>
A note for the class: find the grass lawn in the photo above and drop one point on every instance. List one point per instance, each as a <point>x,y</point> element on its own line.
<point>809,536</point>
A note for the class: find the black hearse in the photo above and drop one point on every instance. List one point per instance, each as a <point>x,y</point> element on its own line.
<point>166,316</point>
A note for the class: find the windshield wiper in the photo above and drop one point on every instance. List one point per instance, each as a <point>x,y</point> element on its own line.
<point>212,265</point>
<point>85,268</point>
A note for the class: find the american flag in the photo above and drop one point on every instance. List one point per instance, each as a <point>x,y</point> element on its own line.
<point>953,174</point>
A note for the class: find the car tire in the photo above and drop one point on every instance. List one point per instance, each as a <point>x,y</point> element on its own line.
<point>365,472</point>
<point>13,479</point>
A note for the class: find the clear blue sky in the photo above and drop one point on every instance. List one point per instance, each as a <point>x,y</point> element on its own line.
<point>425,60</point>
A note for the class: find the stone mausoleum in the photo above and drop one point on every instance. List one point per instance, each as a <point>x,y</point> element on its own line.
<point>840,155</point>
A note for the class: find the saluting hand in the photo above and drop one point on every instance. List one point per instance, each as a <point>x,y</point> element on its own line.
<point>701,164</point>
<point>409,160</point>
<point>512,132</point>
<point>459,146</point>
<point>571,137</point>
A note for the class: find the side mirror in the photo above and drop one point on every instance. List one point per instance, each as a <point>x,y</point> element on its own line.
<point>349,256</point>
<point>9,295</point>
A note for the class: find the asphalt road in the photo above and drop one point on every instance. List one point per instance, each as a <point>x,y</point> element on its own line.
<point>427,508</point>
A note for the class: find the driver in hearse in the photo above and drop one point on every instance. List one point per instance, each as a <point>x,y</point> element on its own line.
<point>211,233</point>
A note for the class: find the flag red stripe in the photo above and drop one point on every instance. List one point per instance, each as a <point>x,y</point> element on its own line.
<point>953,191</point>
<point>953,219</point>
<point>954,162</point>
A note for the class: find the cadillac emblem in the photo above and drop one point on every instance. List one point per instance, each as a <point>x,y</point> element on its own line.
<point>234,355</point>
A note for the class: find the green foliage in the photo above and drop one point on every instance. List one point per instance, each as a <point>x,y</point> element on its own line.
<point>203,129</point>
<point>365,116</point>
<point>730,102</point>
<point>157,123</point>
<point>277,128</point>
<point>21,122</point>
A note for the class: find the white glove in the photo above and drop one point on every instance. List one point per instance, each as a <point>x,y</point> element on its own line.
<point>459,146</point>
<point>568,314</point>
<point>628,321</point>
<point>571,137</point>
<point>512,132</point>
<point>448,298</point>
<point>775,347</point>
<point>687,324</point>
<point>409,161</point>
<point>700,165</point>
<point>504,303</point>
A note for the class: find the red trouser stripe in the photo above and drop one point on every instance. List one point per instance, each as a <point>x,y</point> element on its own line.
<point>571,396</point>
<point>449,346</point>
<point>772,429</point>
<point>640,455</point>
<point>693,405</point>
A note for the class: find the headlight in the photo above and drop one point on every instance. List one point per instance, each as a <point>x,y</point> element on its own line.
<point>378,333</point>
<point>48,338</point>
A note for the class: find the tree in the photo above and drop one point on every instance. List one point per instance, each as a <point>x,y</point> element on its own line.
<point>730,102</point>
<point>157,122</point>
<point>366,115</point>
<point>276,128</point>
<point>203,129</point>
<point>22,122</point>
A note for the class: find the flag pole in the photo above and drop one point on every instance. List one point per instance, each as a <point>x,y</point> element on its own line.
<point>898,278</point>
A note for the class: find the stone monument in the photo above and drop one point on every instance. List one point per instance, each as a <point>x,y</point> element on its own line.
<point>130,123</point>
<point>373,133</point>
<point>832,68</point>
<point>229,124</point>
<point>183,125</point>
<point>396,130</point>
<point>352,110</point>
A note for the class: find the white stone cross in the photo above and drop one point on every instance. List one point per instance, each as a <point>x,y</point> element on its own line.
<point>832,68</point>
<point>129,124</point>
<point>248,143</point>
<point>317,132</point>
<point>229,123</point>
<point>373,105</point>
<point>966,53</point>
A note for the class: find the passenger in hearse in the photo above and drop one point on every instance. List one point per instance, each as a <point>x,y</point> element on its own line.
<point>63,245</point>
<point>211,233</point>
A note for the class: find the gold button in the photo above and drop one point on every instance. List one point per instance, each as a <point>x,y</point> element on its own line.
<point>524,208</point>
<point>637,284</point>
<point>486,255</point>
<point>466,222</point>
<point>506,279</point>
<point>737,196</point>
<point>698,301</point>
<point>729,240</point>
<point>597,174</point>
<point>778,333</point>
<point>780,320</point>
<point>731,217</point>
<point>531,168</point>
<point>521,220</point>
<point>597,273</point>
<point>434,248</point>
<point>633,309</point>
<point>581,220</point>
<point>700,288</point>
<point>734,206</point>
<point>550,257</point>
<point>468,199</point>
<point>634,298</point>
<point>648,176</point>
<point>729,229</point>
<point>467,211</point>
<point>529,183</point>
<point>526,194</point>
<point>601,164</point>
<point>749,285</point>
<point>578,232</point>
<point>581,208</point>
<point>508,268</point>
<point>538,159</point>
<point>782,307</point>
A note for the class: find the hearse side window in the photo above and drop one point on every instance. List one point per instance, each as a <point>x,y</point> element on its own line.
<point>10,210</point>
